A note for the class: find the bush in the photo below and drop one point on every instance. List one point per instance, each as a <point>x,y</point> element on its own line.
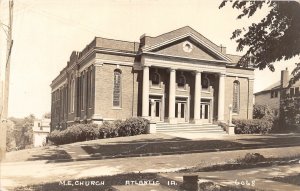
<point>85,132</point>
<point>263,112</point>
<point>108,129</point>
<point>133,126</point>
<point>74,133</point>
<point>290,112</point>
<point>252,158</point>
<point>252,126</point>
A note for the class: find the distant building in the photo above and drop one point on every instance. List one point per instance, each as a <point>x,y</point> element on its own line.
<point>176,77</point>
<point>272,95</point>
<point>41,129</point>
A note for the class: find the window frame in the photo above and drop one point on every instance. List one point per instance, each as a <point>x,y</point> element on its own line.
<point>236,92</point>
<point>119,106</point>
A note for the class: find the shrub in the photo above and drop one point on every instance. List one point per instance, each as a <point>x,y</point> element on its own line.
<point>252,158</point>
<point>252,126</point>
<point>263,112</point>
<point>133,126</point>
<point>74,133</point>
<point>108,129</point>
<point>290,112</point>
<point>85,132</point>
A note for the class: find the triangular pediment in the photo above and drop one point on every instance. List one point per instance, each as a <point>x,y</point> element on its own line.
<point>185,42</point>
<point>187,48</point>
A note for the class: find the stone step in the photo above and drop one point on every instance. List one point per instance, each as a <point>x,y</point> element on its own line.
<point>184,124</point>
<point>198,132</point>
<point>198,129</point>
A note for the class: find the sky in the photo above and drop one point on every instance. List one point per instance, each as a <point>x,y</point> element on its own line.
<point>45,32</point>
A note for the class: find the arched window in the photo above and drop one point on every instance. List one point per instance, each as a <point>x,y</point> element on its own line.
<point>181,81</point>
<point>236,97</point>
<point>155,78</point>
<point>205,83</point>
<point>117,88</point>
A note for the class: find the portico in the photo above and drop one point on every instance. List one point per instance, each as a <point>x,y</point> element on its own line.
<point>175,94</point>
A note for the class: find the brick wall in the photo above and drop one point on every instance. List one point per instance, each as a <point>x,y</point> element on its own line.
<point>246,97</point>
<point>104,79</point>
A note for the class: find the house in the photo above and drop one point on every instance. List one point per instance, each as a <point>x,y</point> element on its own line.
<point>41,129</point>
<point>272,95</point>
<point>176,77</point>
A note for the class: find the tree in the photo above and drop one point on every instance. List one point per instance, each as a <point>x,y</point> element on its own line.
<point>47,115</point>
<point>23,132</point>
<point>10,138</point>
<point>276,37</point>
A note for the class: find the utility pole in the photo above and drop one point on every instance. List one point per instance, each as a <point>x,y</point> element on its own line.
<point>5,91</point>
<point>7,66</point>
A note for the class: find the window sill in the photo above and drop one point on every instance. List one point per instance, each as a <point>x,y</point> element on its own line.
<point>116,108</point>
<point>156,87</point>
<point>235,114</point>
<point>182,89</point>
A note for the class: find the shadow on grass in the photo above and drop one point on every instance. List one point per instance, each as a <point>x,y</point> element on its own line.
<point>267,162</point>
<point>174,147</point>
<point>180,146</point>
<point>153,140</point>
<point>295,179</point>
<point>161,146</point>
<point>52,154</point>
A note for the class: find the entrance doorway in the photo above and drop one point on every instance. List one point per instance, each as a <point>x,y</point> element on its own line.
<point>155,108</point>
<point>205,113</point>
<point>181,110</point>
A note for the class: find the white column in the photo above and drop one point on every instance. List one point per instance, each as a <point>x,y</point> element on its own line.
<point>221,100</point>
<point>172,92</point>
<point>145,100</point>
<point>197,98</point>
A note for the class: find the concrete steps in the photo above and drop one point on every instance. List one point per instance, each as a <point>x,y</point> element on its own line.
<point>189,128</point>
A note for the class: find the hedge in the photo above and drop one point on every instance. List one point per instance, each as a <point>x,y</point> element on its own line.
<point>85,132</point>
<point>74,133</point>
<point>252,126</point>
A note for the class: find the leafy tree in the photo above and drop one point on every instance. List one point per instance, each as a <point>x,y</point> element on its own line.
<point>276,37</point>
<point>10,138</point>
<point>23,133</point>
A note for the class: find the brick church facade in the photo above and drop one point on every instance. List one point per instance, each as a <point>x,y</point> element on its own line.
<point>176,77</point>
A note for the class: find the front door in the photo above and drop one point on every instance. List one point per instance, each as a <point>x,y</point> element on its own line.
<point>181,111</point>
<point>155,106</point>
<point>205,112</point>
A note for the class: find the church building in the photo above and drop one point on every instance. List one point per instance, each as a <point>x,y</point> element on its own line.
<point>176,77</point>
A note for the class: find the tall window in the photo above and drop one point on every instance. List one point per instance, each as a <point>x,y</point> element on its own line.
<point>181,81</point>
<point>155,78</point>
<point>205,83</point>
<point>72,94</point>
<point>236,97</point>
<point>117,89</point>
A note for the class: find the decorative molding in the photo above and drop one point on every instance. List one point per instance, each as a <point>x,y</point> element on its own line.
<point>187,47</point>
<point>195,38</point>
<point>184,58</point>
<point>203,67</point>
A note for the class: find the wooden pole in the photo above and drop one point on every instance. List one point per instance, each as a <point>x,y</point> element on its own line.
<point>7,66</point>
<point>5,93</point>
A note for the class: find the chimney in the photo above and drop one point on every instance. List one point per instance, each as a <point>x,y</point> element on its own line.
<point>222,49</point>
<point>284,78</point>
